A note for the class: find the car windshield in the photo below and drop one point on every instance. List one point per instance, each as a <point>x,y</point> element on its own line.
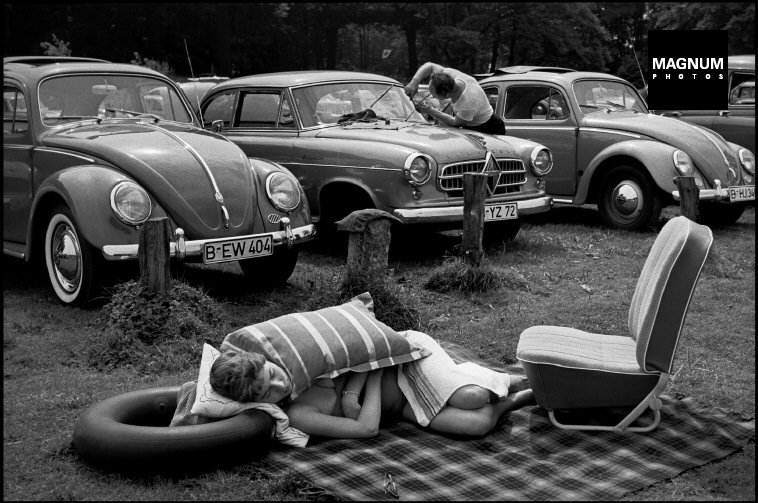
<point>594,95</point>
<point>326,103</point>
<point>75,97</point>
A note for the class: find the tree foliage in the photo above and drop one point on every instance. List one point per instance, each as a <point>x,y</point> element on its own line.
<point>390,38</point>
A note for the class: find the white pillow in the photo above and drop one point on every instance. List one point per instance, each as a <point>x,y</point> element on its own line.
<point>207,401</point>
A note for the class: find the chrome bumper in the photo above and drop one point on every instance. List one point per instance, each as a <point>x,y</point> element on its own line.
<point>455,213</point>
<point>181,249</point>
<point>717,194</point>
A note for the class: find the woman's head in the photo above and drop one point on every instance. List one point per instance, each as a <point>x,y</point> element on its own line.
<point>441,85</point>
<point>249,377</point>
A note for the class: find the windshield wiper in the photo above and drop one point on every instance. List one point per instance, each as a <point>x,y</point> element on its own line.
<point>381,96</point>
<point>73,117</point>
<point>133,113</point>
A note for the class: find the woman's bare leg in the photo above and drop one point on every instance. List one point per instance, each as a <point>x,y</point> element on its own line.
<point>472,396</point>
<point>474,422</point>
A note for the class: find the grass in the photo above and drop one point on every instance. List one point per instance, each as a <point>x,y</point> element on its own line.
<point>562,269</point>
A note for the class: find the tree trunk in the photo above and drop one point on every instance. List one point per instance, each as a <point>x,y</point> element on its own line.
<point>221,42</point>
<point>332,36</point>
<point>495,47</point>
<point>410,37</point>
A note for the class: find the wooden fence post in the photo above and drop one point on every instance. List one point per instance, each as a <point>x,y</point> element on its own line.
<point>154,253</point>
<point>368,246</point>
<point>689,195</point>
<point>474,193</point>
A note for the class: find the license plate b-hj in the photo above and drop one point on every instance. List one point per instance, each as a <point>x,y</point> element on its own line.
<point>227,250</point>
<point>744,193</point>
<point>502,211</point>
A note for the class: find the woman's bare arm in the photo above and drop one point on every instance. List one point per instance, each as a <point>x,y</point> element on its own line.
<point>351,408</point>
<point>310,420</point>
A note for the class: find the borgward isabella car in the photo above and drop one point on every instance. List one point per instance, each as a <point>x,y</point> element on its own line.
<point>355,141</point>
<point>92,150</point>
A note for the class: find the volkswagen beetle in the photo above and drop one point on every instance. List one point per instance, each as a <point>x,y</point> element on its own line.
<point>93,149</point>
<point>355,141</point>
<point>611,151</point>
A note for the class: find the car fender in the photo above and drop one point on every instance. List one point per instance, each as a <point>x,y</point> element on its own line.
<point>75,186</point>
<point>359,184</point>
<point>299,217</point>
<point>655,157</point>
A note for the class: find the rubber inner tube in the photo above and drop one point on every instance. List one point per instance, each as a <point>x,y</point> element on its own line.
<point>130,432</point>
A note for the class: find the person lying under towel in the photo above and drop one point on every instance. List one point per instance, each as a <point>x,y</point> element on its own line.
<point>435,392</point>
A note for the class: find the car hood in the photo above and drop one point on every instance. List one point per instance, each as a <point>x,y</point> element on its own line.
<point>707,149</point>
<point>178,165</point>
<point>446,145</point>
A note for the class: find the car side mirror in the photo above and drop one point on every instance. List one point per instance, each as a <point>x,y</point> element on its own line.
<point>217,125</point>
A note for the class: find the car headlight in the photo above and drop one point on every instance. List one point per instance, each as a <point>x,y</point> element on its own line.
<point>130,203</point>
<point>683,163</point>
<point>418,169</point>
<point>748,160</point>
<point>542,161</point>
<point>283,191</point>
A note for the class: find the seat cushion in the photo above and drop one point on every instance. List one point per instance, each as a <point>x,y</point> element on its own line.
<point>569,368</point>
<point>569,347</point>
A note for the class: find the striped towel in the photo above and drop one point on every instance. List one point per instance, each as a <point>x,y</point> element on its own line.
<point>428,383</point>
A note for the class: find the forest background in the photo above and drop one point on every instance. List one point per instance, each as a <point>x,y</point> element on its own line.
<point>393,39</point>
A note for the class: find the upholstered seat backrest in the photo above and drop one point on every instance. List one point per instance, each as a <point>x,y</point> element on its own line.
<point>664,290</point>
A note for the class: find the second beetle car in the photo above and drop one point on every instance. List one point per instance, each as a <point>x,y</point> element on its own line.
<point>355,141</point>
<point>93,149</point>
<point>610,151</point>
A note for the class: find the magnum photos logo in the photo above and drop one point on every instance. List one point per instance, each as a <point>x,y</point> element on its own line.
<point>687,70</point>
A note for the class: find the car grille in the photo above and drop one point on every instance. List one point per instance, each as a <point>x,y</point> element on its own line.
<point>512,176</point>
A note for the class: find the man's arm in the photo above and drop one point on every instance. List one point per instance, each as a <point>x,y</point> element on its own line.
<point>424,72</point>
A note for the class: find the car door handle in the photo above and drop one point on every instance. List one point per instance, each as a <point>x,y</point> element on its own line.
<point>724,113</point>
<point>673,114</point>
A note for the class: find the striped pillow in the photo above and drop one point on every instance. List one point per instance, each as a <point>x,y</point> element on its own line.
<point>327,342</point>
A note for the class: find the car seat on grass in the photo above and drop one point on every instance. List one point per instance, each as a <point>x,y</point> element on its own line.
<point>573,371</point>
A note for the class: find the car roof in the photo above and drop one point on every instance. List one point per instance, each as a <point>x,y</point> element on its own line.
<point>298,78</point>
<point>742,62</point>
<point>555,75</point>
<point>34,68</point>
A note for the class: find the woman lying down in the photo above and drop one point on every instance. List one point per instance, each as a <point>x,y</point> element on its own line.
<point>435,392</point>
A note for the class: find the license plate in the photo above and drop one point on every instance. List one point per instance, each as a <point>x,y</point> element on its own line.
<point>502,211</point>
<point>226,250</point>
<point>744,193</point>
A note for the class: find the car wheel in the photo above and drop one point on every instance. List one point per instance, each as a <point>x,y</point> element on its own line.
<point>628,200</point>
<point>719,215</point>
<point>496,232</point>
<point>71,262</point>
<point>273,270</point>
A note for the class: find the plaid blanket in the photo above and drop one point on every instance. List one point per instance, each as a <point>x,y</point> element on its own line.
<point>524,458</point>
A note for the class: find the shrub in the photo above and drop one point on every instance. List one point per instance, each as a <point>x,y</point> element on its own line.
<point>458,274</point>
<point>162,332</point>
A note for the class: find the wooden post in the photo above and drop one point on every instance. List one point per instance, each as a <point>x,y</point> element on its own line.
<point>474,193</point>
<point>368,246</point>
<point>689,195</point>
<point>154,252</point>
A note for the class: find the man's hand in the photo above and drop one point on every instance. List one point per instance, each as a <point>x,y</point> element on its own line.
<point>411,89</point>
